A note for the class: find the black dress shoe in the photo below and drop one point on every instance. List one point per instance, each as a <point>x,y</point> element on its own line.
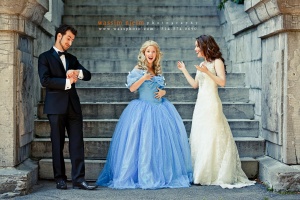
<point>61,184</point>
<point>83,185</point>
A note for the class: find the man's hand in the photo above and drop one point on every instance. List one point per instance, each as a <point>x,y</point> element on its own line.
<point>72,75</point>
<point>73,79</point>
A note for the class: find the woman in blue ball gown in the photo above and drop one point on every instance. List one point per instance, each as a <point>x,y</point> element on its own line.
<point>149,148</point>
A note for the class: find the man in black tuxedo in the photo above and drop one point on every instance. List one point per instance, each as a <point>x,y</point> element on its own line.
<point>58,72</point>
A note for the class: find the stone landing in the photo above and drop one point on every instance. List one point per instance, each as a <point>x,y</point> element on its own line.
<point>15,181</point>
<point>279,176</point>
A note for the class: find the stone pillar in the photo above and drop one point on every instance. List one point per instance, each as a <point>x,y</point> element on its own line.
<point>272,66</point>
<point>19,90</point>
<point>278,25</point>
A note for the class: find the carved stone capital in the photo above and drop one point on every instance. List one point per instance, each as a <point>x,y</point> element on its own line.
<point>263,10</point>
<point>277,24</point>
<point>33,10</point>
<point>289,6</point>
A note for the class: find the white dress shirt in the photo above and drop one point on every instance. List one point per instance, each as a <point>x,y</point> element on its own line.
<point>63,60</point>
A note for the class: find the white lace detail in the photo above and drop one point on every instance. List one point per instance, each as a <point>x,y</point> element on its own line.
<point>202,76</point>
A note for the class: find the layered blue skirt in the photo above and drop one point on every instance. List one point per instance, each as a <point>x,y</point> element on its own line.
<point>149,149</point>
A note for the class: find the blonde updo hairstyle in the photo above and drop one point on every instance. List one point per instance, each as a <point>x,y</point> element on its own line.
<point>142,61</point>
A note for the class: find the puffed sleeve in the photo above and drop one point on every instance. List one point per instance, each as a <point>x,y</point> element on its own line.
<point>134,76</point>
<point>160,80</point>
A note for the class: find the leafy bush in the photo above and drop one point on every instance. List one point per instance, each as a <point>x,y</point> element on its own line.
<point>222,3</point>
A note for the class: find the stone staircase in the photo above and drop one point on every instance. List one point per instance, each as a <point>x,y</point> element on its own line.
<point>110,54</point>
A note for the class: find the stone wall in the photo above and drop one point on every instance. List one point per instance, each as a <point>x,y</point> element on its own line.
<point>263,42</point>
<point>24,33</point>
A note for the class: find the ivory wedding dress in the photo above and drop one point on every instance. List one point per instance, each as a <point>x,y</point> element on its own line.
<point>215,158</point>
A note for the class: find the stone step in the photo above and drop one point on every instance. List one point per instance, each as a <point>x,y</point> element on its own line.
<point>141,20</point>
<point>89,37</point>
<point>171,79</point>
<point>93,168</point>
<point>174,94</point>
<point>103,110</point>
<point>104,128</point>
<point>134,10</point>
<point>114,65</point>
<point>97,148</point>
<point>109,53</point>
<point>141,2</point>
<point>150,31</point>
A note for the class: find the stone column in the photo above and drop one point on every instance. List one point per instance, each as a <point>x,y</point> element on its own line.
<point>278,26</point>
<point>19,21</point>
<point>272,66</point>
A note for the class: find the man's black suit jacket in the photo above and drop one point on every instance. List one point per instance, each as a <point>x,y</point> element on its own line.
<point>53,77</point>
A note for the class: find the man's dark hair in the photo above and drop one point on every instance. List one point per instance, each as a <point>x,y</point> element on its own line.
<point>62,29</point>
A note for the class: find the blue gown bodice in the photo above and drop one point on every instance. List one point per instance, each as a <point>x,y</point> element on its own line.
<point>148,88</point>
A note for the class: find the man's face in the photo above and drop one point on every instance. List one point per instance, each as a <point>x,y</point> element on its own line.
<point>65,41</point>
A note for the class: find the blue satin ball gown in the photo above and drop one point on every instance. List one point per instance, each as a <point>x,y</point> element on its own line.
<point>149,147</point>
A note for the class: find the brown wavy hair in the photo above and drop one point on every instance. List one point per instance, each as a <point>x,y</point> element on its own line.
<point>62,29</point>
<point>142,62</point>
<point>210,48</point>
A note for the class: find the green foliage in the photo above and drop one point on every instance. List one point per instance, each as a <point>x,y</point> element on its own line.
<point>288,192</point>
<point>238,1</point>
<point>222,3</point>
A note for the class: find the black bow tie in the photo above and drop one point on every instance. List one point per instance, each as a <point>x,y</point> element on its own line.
<point>60,53</point>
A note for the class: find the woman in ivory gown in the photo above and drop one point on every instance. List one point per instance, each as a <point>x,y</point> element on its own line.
<point>215,158</point>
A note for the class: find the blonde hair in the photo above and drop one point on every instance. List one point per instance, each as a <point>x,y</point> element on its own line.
<point>142,62</point>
